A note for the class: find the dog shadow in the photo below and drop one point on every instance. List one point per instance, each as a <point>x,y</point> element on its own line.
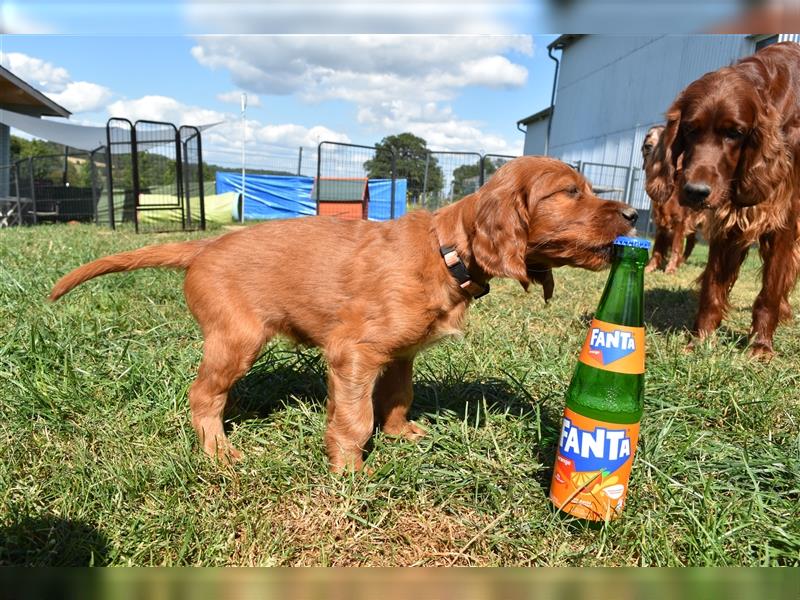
<point>50,541</point>
<point>285,378</point>
<point>670,311</point>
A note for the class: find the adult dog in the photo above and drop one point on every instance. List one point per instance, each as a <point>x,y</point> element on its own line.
<point>371,295</point>
<point>735,133</point>
<point>673,221</point>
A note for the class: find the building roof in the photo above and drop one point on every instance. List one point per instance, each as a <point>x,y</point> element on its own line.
<point>539,116</point>
<point>20,97</point>
<point>563,41</point>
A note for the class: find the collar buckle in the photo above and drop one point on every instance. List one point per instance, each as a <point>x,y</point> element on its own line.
<point>459,272</point>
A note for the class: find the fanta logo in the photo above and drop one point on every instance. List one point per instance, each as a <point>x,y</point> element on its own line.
<point>601,448</point>
<point>611,345</point>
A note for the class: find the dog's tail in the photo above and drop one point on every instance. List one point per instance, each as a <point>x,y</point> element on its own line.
<point>179,255</point>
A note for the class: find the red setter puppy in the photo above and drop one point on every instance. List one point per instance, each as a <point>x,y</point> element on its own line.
<point>735,133</point>
<point>372,295</point>
<point>673,221</point>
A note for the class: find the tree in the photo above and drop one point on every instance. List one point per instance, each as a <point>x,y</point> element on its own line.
<point>411,153</point>
<point>466,178</point>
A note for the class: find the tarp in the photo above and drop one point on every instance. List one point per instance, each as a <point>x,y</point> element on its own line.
<point>284,197</point>
<point>269,196</point>
<point>82,137</point>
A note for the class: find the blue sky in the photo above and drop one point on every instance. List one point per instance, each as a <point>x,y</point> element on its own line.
<point>460,91</point>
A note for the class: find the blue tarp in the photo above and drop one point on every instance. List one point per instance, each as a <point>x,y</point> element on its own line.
<point>284,197</point>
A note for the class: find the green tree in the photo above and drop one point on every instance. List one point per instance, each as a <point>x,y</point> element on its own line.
<point>411,153</point>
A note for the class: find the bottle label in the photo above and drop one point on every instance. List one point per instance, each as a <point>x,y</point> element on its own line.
<point>593,465</point>
<point>613,347</point>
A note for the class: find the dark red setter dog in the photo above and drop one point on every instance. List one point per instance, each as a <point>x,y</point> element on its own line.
<point>673,221</point>
<point>372,295</point>
<point>735,133</point>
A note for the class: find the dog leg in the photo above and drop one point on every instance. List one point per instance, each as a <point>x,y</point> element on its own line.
<point>721,272</point>
<point>227,356</point>
<point>691,241</point>
<point>778,277</point>
<point>660,246</point>
<point>676,252</point>
<point>393,396</point>
<point>351,379</point>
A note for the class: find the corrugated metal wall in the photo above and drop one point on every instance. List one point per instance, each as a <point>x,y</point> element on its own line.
<point>535,135</point>
<point>612,88</point>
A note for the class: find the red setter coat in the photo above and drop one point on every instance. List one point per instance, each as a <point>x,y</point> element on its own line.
<point>736,132</point>
<point>673,221</point>
<point>371,295</point>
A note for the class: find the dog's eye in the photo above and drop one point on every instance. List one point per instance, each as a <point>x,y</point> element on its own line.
<point>733,134</point>
<point>573,191</point>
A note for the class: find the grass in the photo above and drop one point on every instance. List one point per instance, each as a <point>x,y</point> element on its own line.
<point>100,465</point>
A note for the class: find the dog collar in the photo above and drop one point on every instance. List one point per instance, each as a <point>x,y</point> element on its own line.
<point>459,271</point>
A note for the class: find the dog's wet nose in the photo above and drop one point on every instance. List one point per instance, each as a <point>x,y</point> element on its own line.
<point>696,193</point>
<point>630,214</point>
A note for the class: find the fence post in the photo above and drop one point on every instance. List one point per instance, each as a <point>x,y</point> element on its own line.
<point>481,176</point>
<point>425,179</point>
<point>93,178</point>
<point>394,177</point>
<point>319,173</point>
<point>33,191</point>
<point>299,161</point>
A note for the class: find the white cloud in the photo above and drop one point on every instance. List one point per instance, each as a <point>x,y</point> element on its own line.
<point>235,97</point>
<point>380,66</point>
<point>357,16</point>
<point>267,144</point>
<point>37,72</point>
<point>56,83</point>
<point>164,108</point>
<point>396,82</point>
<point>82,96</point>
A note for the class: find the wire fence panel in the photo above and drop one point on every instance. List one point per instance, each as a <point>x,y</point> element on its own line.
<point>492,162</point>
<point>10,201</point>
<point>159,187</point>
<point>117,205</point>
<point>447,177</point>
<point>357,182</point>
<point>193,188</point>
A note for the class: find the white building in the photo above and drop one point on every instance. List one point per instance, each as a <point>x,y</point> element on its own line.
<point>610,89</point>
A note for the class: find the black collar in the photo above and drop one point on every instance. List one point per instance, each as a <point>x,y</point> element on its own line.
<point>459,271</point>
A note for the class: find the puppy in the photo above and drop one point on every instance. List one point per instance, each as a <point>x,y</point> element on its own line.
<point>372,295</point>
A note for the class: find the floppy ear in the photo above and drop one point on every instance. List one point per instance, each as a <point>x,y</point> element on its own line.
<point>501,232</point>
<point>765,163</point>
<point>660,168</point>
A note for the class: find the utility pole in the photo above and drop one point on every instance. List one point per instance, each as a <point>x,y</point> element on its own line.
<point>244,140</point>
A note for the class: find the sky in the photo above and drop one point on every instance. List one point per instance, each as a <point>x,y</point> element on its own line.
<point>464,89</point>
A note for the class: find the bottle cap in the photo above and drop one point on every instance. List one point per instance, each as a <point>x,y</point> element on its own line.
<point>632,241</point>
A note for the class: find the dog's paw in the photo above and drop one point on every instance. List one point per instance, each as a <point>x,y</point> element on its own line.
<point>407,430</point>
<point>762,352</point>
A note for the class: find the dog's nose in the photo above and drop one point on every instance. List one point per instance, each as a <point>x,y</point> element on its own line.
<point>696,193</point>
<point>630,214</point>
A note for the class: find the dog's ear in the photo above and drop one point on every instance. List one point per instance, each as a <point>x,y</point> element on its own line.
<point>764,164</point>
<point>501,231</point>
<point>663,161</point>
<point>543,275</point>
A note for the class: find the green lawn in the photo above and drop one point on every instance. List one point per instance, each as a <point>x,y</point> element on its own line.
<point>100,464</point>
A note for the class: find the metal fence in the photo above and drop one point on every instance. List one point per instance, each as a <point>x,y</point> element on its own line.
<point>619,182</point>
<point>428,179</point>
<point>344,171</point>
<point>148,174</point>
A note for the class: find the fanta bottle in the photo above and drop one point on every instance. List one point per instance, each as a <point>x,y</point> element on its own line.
<point>604,400</point>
